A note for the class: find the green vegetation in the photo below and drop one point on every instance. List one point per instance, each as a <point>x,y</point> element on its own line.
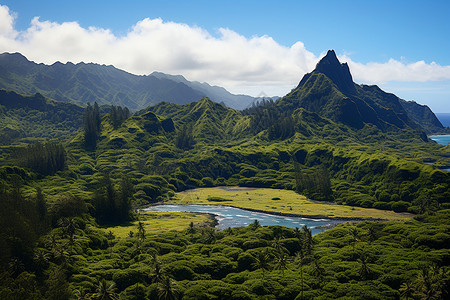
<point>288,202</point>
<point>154,222</point>
<point>68,198</point>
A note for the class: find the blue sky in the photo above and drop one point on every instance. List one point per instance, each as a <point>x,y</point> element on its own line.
<point>403,46</point>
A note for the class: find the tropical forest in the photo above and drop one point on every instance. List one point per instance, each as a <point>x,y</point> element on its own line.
<point>110,182</point>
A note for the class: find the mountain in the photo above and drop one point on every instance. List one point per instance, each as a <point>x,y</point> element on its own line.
<point>82,83</point>
<point>35,117</point>
<point>219,94</point>
<point>423,115</point>
<point>329,91</point>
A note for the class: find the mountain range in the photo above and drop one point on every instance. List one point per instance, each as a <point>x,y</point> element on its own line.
<point>82,83</point>
<point>328,90</point>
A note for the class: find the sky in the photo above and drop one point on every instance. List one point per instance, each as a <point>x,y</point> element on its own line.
<point>248,47</point>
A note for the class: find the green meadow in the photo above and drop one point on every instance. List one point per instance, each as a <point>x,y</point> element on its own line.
<point>279,201</point>
<point>161,221</point>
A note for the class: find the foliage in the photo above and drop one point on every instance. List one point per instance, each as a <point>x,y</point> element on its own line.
<point>45,159</point>
<point>91,126</point>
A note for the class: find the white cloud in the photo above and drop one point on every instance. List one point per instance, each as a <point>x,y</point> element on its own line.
<point>7,22</point>
<point>394,70</point>
<point>238,63</point>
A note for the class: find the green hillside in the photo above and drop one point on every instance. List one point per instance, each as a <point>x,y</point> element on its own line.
<point>72,179</point>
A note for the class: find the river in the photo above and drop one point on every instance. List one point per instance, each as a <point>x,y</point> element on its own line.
<point>235,217</point>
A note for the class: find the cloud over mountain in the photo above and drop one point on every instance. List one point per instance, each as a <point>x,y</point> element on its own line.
<point>226,58</point>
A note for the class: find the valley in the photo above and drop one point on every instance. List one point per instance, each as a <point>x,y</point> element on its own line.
<point>75,179</point>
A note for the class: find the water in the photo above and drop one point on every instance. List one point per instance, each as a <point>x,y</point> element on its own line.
<point>444,118</point>
<point>441,139</point>
<point>235,217</point>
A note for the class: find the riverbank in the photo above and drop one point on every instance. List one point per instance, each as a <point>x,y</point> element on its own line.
<point>282,203</point>
<point>157,221</point>
<point>229,217</point>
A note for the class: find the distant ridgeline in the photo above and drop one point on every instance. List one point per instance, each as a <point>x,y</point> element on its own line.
<point>329,139</point>
<point>82,83</point>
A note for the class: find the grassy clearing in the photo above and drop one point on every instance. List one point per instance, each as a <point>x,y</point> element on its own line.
<point>282,201</point>
<point>160,221</point>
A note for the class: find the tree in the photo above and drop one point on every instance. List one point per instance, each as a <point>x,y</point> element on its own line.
<point>126,190</point>
<point>282,128</point>
<point>141,231</point>
<point>406,290</point>
<point>91,126</point>
<point>70,226</point>
<point>255,225</point>
<point>41,205</point>
<point>307,239</point>
<point>281,261</point>
<point>299,260</point>
<point>58,287</point>
<point>43,158</point>
<point>353,231</point>
<point>118,115</point>
<point>318,271</point>
<point>262,260</point>
<point>364,270</point>
<point>191,229</point>
<point>278,245</point>
<point>158,273</point>
<point>167,289</point>
<point>430,283</point>
<point>185,137</point>
<point>105,291</point>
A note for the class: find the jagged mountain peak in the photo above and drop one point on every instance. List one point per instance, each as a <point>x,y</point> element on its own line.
<point>339,73</point>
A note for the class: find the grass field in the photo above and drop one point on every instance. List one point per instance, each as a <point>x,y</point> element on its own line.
<point>161,221</point>
<point>282,201</point>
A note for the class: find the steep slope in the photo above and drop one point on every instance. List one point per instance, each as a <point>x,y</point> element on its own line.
<point>35,117</point>
<point>423,115</point>
<point>210,120</point>
<point>329,90</point>
<point>82,83</point>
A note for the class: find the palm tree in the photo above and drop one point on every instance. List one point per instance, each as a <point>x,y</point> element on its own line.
<point>158,273</point>
<point>15,267</point>
<point>428,284</point>
<point>81,295</point>
<point>141,231</point>
<point>371,232</point>
<point>307,239</point>
<point>210,235</point>
<point>70,227</point>
<point>299,260</point>
<point>364,271</point>
<point>262,261</point>
<point>167,290</point>
<point>278,245</point>
<point>191,229</point>
<point>105,291</point>
<point>354,235</point>
<point>318,271</point>
<point>41,259</point>
<point>255,225</point>
<point>281,261</point>
<point>406,290</point>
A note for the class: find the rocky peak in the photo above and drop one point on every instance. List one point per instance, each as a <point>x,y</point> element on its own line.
<point>339,73</point>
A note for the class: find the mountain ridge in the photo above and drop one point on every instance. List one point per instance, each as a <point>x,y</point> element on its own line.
<point>329,90</point>
<point>89,82</point>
